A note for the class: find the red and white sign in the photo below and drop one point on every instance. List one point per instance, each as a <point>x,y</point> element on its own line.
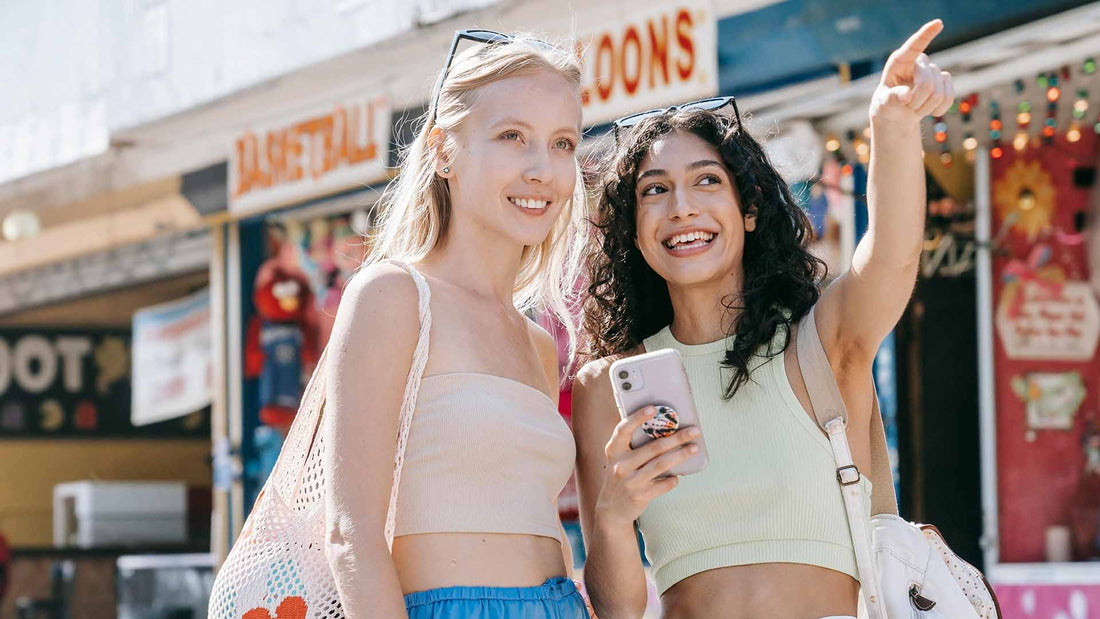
<point>649,59</point>
<point>1055,323</point>
<point>335,148</point>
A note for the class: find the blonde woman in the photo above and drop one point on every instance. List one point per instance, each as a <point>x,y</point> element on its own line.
<point>483,210</point>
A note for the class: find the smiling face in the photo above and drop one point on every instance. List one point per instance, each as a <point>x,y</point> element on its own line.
<point>513,166</point>
<point>688,221</point>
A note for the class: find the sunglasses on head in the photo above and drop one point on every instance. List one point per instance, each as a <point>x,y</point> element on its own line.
<point>488,37</point>
<point>714,103</point>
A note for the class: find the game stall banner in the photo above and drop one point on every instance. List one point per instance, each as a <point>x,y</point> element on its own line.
<point>334,147</point>
<point>173,359</point>
<point>1046,326</point>
<point>75,384</point>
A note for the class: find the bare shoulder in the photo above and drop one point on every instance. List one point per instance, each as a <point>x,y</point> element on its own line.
<point>382,281</point>
<point>379,302</point>
<point>595,413</point>
<point>592,374</point>
<point>592,384</point>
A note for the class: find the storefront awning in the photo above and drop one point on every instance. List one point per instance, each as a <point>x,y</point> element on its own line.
<point>997,59</point>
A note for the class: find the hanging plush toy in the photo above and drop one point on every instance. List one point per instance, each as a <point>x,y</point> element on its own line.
<point>281,346</point>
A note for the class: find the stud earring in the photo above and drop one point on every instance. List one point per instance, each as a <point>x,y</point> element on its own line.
<point>446,169</point>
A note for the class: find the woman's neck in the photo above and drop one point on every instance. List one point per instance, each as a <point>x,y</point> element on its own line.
<point>699,311</point>
<point>477,262</point>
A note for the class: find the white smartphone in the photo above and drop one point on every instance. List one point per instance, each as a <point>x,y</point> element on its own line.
<point>658,378</point>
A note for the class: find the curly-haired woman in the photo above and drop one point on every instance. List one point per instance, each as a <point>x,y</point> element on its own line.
<point>704,251</point>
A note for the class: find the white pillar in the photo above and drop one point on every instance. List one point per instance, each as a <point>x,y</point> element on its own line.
<point>983,218</point>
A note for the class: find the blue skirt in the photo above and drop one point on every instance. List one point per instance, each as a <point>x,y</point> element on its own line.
<point>557,598</point>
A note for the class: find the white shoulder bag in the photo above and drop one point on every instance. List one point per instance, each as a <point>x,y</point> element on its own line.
<point>906,570</point>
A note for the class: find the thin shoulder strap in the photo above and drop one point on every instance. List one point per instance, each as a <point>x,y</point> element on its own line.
<point>829,405</point>
<point>412,388</point>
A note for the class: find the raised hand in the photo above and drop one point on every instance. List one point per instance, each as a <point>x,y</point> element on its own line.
<point>912,86</point>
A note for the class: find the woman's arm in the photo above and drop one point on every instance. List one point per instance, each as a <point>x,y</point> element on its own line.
<point>615,484</point>
<point>613,572</point>
<point>859,309</point>
<point>370,353</point>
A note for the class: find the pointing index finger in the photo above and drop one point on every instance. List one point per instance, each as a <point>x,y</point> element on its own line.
<point>916,44</point>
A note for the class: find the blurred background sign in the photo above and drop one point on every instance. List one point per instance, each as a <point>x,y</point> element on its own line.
<point>171,359</point>
<point>74,383</point>
<point>646,59</point>
<point>331,148</point>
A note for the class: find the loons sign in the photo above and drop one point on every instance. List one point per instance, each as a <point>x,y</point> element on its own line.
<point>336,147</point>
<point>649,59</point>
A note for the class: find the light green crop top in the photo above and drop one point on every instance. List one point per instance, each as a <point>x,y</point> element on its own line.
<point>769,494</point>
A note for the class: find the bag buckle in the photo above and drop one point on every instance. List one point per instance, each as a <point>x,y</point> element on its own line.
<point>848,475</point>
<point>920,602</point>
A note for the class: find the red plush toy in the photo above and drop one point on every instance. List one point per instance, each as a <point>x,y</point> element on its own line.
<point>281,346</point>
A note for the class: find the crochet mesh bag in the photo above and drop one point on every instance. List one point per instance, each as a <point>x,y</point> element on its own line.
<point>277,568</point>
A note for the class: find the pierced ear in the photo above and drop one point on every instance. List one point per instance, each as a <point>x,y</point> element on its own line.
<point>435,144</point>
<point>750,219</point>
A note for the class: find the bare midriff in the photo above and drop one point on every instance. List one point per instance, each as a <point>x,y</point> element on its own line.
<point>773,590</point>
<point>434,560</point>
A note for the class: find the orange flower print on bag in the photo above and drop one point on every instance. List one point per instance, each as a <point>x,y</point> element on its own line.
<point>292,607</point>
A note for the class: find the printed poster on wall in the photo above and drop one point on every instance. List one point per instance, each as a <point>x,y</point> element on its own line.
<point>172,359</point>
<point>1057,322</point>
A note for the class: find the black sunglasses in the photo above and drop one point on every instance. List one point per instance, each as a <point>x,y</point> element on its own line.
<point>715,103</point>
<point>488,37</point>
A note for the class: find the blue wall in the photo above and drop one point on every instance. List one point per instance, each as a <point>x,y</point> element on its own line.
<point>793,41</point>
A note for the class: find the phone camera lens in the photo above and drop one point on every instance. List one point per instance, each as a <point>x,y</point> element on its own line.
<point>624,374</point>
<point>626,386</point>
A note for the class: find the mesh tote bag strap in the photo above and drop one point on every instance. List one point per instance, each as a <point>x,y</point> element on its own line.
<point>412,387</point>
<point>291,470</point>
<point>278,566</point>
<point>304,429</point>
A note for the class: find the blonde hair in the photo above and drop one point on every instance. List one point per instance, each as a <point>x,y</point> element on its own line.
<point>416,206</point>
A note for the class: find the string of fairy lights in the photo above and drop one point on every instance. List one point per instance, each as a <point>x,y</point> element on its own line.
<point>1040,113</point>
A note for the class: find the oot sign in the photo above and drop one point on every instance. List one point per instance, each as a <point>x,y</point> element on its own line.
<point>70,383</point>
<point>337,147</point>
<point>650,59</point>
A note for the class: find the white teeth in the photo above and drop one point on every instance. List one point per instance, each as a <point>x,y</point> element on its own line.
<point>690,237</point>
<point>530,204</point>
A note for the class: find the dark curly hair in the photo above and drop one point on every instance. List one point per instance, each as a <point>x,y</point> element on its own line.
<point>628,301</point>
